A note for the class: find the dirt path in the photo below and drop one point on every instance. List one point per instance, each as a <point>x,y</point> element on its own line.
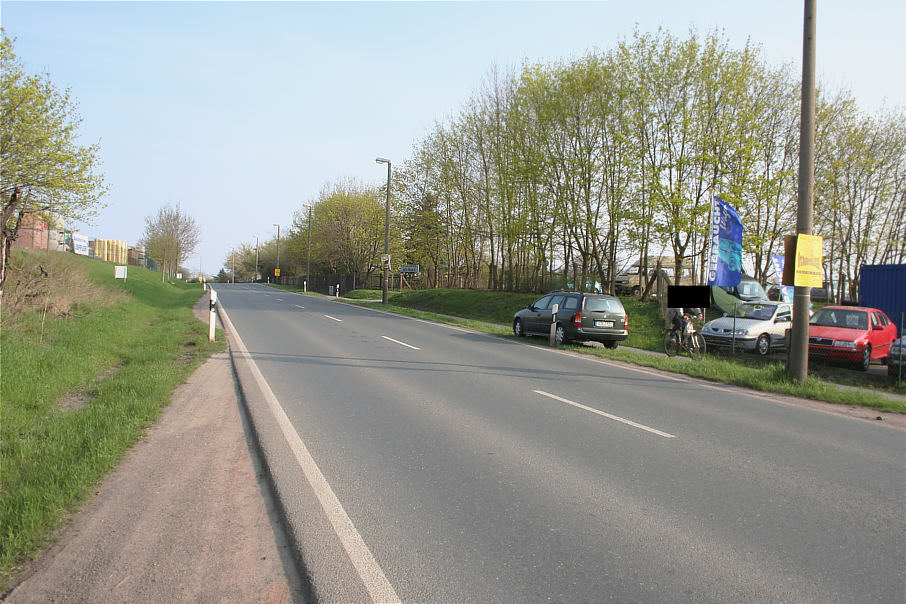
<point>186,517</point>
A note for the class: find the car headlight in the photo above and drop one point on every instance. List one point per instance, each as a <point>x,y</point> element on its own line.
<point>844,344</point>
<point>742,332</point>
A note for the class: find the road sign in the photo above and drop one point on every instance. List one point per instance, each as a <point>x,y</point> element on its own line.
<point>413,269</point>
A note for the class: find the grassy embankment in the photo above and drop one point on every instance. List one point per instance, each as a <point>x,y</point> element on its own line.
<point>492,312</point>
<point>88,363</point>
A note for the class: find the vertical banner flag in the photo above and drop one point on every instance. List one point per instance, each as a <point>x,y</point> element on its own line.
<point>786,291</point>
<point>725,264</point>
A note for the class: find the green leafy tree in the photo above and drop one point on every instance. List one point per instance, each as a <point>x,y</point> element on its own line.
<point>347,231</point>
<point>45,171</point>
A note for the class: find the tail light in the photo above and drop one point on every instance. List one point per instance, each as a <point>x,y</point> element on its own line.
<point>626,322</point>
<point>577,320</point>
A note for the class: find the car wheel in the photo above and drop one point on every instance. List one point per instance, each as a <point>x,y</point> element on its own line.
<point>636,291</point>
<point>893,371</point>
<point>763,345</point>
<point>612,344</point>
<point>866,359</point>
<point>560,335</point>
<point>518,331</point>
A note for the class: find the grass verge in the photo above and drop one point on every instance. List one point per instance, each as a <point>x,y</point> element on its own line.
<point>78,391</point>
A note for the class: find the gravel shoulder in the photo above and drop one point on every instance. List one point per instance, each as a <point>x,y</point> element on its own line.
<point>187,515</point>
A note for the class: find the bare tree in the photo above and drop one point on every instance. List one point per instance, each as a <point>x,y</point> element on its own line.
<point>170,237</point>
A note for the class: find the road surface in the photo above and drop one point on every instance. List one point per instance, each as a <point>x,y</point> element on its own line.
<point>422,462</point>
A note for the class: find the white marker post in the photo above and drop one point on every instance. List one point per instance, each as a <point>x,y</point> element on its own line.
<point>553,338</point>
<point>212,318</point>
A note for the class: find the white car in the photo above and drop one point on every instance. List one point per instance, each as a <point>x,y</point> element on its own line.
<point>755,326</point>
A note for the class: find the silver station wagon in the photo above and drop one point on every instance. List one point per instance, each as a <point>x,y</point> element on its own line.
<point>755,326</point>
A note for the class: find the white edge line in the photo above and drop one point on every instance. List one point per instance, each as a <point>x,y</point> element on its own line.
<point>379,588</point>
<point>401,343</point>
<point>607,415</point>
<point>334,319</point>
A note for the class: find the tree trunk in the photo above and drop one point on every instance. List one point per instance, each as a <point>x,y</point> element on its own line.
<point>8,234</point>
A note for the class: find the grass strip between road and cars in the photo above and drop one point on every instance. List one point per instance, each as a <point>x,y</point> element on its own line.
<point>755,374</point>
<point>79,390</point>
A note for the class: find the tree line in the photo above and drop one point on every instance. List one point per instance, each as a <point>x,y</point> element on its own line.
<point>559,174</point>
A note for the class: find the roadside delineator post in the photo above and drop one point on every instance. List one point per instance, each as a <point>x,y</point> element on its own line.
<point>212,319</point>
<point>553,336</point>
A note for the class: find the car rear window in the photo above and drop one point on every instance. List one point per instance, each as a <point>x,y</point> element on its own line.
<point>603,305</point>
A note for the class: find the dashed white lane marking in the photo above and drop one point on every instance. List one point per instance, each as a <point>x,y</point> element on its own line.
<point>607,415</point>
<point>334,319</point>
<point>379,588</point>
<point>297,306</point>
<point>401,343</point>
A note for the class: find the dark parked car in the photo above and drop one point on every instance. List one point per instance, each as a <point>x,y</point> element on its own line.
<point>580,316</point>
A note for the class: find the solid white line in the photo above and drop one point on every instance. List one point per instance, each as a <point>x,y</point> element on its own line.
<point>607,415</point>
<point>334,318</point>
<point>379,588</point>
<point>401,343</point>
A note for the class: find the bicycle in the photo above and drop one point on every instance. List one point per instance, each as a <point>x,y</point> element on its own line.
<point>693,342</point>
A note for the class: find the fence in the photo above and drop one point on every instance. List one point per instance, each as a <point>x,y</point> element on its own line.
<point>324,284</point>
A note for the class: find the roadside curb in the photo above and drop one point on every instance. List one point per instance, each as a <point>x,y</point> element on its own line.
<point>316,550</point>
<point>265,458</point>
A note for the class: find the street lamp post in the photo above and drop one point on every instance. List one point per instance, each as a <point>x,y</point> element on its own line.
<point>386,260</point>
<point>308,256</point>
<point>256,259</point>
<point>278,251</point>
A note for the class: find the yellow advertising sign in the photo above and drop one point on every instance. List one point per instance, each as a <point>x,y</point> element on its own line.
<point>276,272</point>
<point>809,261</point>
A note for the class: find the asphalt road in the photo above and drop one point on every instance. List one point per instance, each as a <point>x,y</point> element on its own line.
<point>422,462</point>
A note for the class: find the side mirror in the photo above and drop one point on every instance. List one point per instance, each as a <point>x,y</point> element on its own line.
<point>726,314</point>
<point>530,307</point>
<point>877,327</point>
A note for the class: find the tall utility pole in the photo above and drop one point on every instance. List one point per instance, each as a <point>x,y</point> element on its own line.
<point>386,260</point>
<point>256,259</point>
<point>798,359</point>
<point>278,248</point>
<point>308,258</point>
<point>232,266</point>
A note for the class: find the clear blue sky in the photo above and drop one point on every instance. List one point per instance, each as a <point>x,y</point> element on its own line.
<point>242,112</point>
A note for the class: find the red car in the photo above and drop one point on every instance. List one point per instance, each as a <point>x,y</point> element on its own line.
<point>850,333</point>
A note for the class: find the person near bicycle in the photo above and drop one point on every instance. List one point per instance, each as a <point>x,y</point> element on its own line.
<point>680,317</point>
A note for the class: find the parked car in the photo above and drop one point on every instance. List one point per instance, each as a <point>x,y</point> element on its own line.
<point>580,316</point>
<point>756,327</point>
<point>852,334</point>
<point>896,357</point>
<point>748,290</point>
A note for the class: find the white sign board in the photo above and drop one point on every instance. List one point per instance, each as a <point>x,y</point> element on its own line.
<point>80,244</point>
<point>120,272</point>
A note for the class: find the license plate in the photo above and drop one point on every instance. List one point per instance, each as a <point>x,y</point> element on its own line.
<point>603,323</point>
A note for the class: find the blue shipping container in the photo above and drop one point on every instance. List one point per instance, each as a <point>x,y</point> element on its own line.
<point>884,286</point>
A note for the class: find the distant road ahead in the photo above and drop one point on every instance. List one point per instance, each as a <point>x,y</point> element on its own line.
<point>481,469</point>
